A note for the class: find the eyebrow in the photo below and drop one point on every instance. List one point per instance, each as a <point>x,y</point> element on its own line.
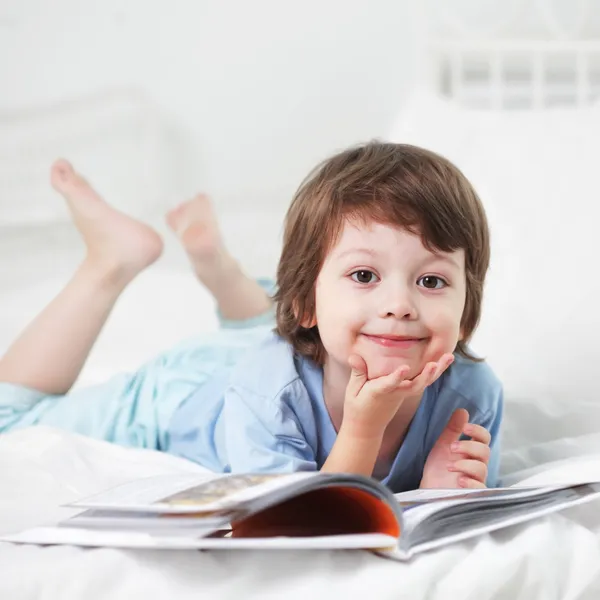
<point>445,257</point>
<point>451,258</point>
<point>368,251</point>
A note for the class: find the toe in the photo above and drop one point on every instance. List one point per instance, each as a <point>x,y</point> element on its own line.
<point>61,172</point>
<point>173,217</point>
<point>69,183</point>
<point>200,203</point>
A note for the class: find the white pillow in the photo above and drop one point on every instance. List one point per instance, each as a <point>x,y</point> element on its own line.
<point>117,138</point>
<point>537,174</point>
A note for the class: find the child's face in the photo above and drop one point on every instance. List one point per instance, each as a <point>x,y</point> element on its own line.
<point>383,295</point>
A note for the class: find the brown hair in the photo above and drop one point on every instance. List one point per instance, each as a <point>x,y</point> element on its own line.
<point>395,184</point>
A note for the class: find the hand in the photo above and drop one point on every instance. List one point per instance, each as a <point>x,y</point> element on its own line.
<point>370,404</point>
<point>458,464</point>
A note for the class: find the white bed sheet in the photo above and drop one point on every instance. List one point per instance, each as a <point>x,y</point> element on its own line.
<point>557,557</point>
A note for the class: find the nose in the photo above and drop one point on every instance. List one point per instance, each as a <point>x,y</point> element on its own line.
<point>398,302</point>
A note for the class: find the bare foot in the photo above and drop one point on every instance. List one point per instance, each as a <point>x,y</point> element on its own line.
<point>114,241</point>
<point>195,224</point>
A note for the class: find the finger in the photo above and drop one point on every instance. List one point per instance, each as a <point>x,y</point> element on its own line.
<point>477,433</point>
<point>358,374</point>
<point>454,427</point>
<point>390,383</point>
<point>472,449</point>
<point>442,364</point>
<point>422,379</point>
<point>474,469</point>
<point>468,483</point>
<point>430,373</point>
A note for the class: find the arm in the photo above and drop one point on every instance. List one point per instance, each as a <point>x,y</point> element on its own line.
<point>369,406</point>
<point>279,435</point>
<point>353,453</point>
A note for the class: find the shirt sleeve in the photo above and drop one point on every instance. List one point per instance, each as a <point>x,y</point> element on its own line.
<point>265,434</point>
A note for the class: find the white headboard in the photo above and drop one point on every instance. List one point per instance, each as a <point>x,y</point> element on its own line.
<point>547,64</point>
<point>517,74</point>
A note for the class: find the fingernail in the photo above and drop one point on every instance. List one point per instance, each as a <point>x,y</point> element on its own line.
<point>451,467</point>
<point>455,447</point>
<point>462,481</point>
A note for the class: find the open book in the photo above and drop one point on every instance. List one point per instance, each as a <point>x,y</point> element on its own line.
<point>301,510</point>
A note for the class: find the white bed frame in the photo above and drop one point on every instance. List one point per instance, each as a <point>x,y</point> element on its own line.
<point>493,69</point>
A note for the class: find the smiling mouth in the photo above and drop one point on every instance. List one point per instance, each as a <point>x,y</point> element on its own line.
<point>394,341</point>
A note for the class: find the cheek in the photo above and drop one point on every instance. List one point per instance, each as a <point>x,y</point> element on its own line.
<point>334,320</point>
<point>338,320</point>
<point>445,327</point>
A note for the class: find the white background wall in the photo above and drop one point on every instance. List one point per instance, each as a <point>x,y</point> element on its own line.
<point>260,89</point>
<point>549,19</point>
<point>255,91</point>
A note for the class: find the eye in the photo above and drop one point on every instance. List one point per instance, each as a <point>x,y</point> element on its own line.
<point>432,282</point>
<point>364,276</point>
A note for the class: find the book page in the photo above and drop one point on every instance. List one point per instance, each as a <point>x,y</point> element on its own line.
<point>97,518</point>
<point>422,505</point>
<point>422,496</point>
<point>142,493</point>
<point>439,496</point>
<point>121,539</point>
<point>182,494</point>
<point>447,528</point>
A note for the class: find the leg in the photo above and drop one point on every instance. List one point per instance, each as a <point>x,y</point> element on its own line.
<point>50,353</point>
<point>238,297</point>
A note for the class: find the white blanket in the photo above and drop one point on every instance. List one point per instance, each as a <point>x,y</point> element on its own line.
<point>40,469</point>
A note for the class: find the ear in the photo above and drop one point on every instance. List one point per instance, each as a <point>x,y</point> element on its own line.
<point>307,321</point>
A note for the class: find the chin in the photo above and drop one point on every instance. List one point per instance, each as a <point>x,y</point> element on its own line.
<point>382,366</point>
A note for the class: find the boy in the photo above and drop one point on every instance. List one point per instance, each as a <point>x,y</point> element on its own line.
<point>379,289</point>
